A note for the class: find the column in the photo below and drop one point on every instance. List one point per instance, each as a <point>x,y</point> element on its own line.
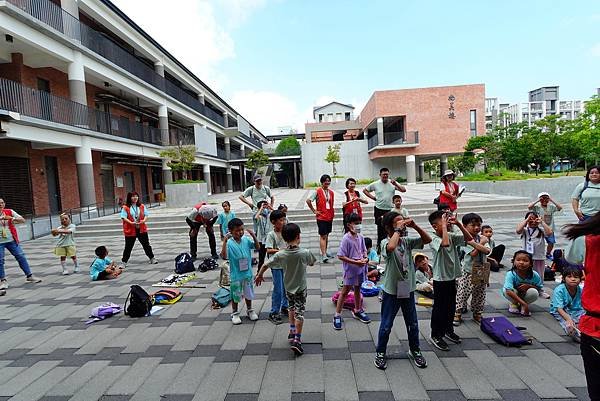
<point>201,97</point>
<point>380,139</point>
<point>85,173</point>
<point>226,119</point>
<point>243,150</point>
<point>227,148</point>
<point>166,172</point>
<point>159,68</point>
<point>295,175</point>
<point>76,75</point>
<point>71,7</point>
<point>206,170</point>
<point>229,179</point>
<point>242,171</point>
<point>163,124</point>
<point>421,171</point>
<point>411,173</point>
<point>443,164</point>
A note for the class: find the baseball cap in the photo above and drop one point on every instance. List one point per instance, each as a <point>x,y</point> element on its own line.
<point>257,177</point>
<point>543,194</point>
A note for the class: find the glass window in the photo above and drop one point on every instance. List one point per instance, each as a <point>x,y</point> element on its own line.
<point>473,122</point>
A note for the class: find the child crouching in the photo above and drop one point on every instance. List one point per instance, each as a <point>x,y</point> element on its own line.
<point>566,302</point>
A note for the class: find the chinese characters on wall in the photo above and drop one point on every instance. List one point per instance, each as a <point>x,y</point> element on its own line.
<point>451,113</point>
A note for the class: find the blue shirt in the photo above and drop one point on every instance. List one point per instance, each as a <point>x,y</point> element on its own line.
<point>135,212</point>
<point>223,220</point>
<point>373,257</point>
<point>98,266</point>
<point>562,299</point>
<point>513,280</point>
<point>236,252</point>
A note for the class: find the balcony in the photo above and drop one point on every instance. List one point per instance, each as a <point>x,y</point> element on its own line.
<point>45,106</point>
<point>396,139</point>
<point>221,154</point>
<point>181,137</point>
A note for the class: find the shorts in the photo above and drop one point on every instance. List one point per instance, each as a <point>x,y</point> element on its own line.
<point>355,280</point>
<point>324,227</point>
<point>297,303</point>
<point>67,251</point>
<point>551,239</point>
<point>243,288</point>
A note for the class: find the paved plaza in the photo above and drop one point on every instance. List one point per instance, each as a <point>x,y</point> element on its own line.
<point>191,352</point>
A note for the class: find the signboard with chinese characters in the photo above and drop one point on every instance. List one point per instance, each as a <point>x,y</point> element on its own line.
<point>451,113</point>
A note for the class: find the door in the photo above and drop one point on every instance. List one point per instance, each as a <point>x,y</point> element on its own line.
<point>53,184</point>
<point>144,181</point>
<point>129,181</point>
<point>43,86</point>
<point>108,186</point>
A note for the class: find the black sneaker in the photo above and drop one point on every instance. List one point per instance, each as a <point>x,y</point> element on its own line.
<point>297,347</point>
<point>379,361</point>
<point>453,337</point>
<point>291,337</point>
<point>274,318</point>
<point>418,359</point>
<point>284,311</point>
<point>439,343</point>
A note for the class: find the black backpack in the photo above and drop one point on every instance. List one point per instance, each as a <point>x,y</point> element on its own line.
<point>208,264</point>
<point>184,263</point>
<point>140,302</point>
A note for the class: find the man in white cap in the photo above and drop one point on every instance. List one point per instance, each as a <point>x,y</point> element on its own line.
<point>546,207</point>
<point>205,215</point>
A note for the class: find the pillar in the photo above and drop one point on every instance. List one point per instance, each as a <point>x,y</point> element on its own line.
<point>159,68</point>
<point>242,176</point>
<point>71,7</point>
<point>227,148</point>
<point>163,124</point>
<point>76,76</point>
<point>295,175</point>
<point>225,119</point>
<point>411,173</point>
<point>421,171</point>
<point>201,97</point>
<point>206,170</point>
<point>243,150</point>
<point>85,173</point>
<point>166,172</point>
<point>229,179</point>
<point>380,138</point>
<point>443,164</point>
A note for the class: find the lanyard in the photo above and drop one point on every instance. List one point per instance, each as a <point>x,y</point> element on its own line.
<point>135,212</point>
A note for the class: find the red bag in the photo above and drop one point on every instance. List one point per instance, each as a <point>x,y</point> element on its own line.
<point>348,302</point>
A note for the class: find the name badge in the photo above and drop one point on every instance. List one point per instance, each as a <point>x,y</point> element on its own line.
<point>402,289</point>
<point>243,264</point>
<point>327,205</point>
<point>529,246</point>
<point>4,233</point>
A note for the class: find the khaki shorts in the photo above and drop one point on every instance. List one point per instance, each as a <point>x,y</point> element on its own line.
<point>67,251</point>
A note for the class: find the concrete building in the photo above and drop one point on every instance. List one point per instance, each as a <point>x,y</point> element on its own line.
<point>398,129</point>
<point>88,100</point>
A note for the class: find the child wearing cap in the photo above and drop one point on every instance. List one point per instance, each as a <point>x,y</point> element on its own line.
<point>546,207</point>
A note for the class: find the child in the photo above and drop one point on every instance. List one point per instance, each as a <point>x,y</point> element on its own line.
<point>353,255</point>
<point>521,284</point>
<point>446,268</point>
<point>294,261</point>
<point>397,200</point>
<point>102,268</point>
<point>497,253</point>
<point>224,218</point>
<point>263,227</point>
<point>423,275</point>
<point>399,286</point>
<point>475,258</point>
<point>566,302</point>
<point>237,248</point>
<point>547,208</point>
<point>65,245</point>
<point>533,242</point>
<point>372,273</point>
<point>275,242</point>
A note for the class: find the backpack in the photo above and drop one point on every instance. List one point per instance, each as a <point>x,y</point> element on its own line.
<point>369,289</point>
<point>503,331</point>
<point>167,296</point>
<point>103,311</point>
<point>184,263</point>
<point>221,298</point>
<point>348,302</point>
<point>208,264</point>
<point>548,274</point>
<point>140,302</point>
<point>586,185</point>
<point>224,280</point>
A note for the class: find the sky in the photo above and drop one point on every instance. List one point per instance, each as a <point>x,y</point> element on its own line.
<point>273,60</point>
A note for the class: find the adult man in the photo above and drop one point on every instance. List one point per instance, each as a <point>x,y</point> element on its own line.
<point>384,190</point>
<point>257,192</point>
<point>202,215</point>
<point>323,197</point>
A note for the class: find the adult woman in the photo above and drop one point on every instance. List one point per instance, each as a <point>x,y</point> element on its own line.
<point>586,196</point>
<point>590,299</point>
<point>352,201</point>
<point>134,216</point>
<point>450,193</point>
<point>10,240</point>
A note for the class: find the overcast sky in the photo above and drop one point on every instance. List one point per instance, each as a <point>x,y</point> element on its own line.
<point>273,60</point>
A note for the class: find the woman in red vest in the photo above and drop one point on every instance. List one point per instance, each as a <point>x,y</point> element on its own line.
<point>10,240</point>
<point>589,324</point>
<point>451,191</point>
<point>134,216</point>
<point>324,199</point>
<point>351,203</point>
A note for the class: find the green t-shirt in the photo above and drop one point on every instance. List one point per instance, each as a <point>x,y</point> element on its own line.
<point>294,262</point>
<point>589,200</point>
<point>402,212</point>
<point>399,263</point>
<point>446,260</point>
<point>547,213</point>
<point>275,241</point>
<point>258,194</point>
<point>383,194</point>
<point>467,263</point>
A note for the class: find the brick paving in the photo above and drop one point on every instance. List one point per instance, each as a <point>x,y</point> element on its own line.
<point>190,352</point>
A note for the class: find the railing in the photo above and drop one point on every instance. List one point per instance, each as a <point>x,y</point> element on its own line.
<point>236,154</point>
<point>251,140</point>
<point>395,139</point>
<point>372,141</point>
<point>43,105</point>
<point>221,154</point>
<point>181,137</point>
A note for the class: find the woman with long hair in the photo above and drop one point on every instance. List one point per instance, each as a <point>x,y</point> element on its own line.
<point>134,216</point>
<point>586,196</point>
<point>589,324</point>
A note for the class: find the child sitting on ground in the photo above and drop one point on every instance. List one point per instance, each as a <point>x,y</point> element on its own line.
<point>65,245</point>
<point>372,273</point>
<point>353,255</point>
<point>566,302</point>
<point>275,242</point>
<point>521,284</point>
<point>237,248</point>
<point>224,218</point>
<point>263,227</point>
<point>423,275</point>
<point>533,230</point>
<point>102,268</point>
<point>497,253</point>
<point>294,260</point>
<point>397,200</point>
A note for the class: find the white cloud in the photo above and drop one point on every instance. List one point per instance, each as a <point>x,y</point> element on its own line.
<point>595,50</point>
<point>238,11</point>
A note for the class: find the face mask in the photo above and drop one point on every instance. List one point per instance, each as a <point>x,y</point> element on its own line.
<point>357,227</point>
<point>265,212</point>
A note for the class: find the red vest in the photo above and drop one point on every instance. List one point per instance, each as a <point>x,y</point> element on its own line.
<point>326,214</point>
<point>590,298</point>
<point>11,226</point>
<point>197,206</point>
<point>352,207</point>
<point>129,229</point>
<point>451,190</point>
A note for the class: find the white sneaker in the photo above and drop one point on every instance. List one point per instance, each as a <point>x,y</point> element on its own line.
<point>252,315</point>
<point>33,279</point>
<point>2,292</point>
<point>3,285</point>
<point>235,318</point>
<point>65,272</point>
<point>153,261</point>
<point>76,269</point>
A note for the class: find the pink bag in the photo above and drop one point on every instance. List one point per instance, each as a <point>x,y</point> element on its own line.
<point>348,302</point>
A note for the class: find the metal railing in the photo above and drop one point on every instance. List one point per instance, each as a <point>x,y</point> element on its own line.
<point>221,154</point>
<point>43,105</point>
<point>181,137</point>
<point>395,138</point>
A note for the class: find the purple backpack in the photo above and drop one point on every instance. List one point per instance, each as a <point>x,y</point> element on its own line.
<point>103,311</point>
<point>503,331</point>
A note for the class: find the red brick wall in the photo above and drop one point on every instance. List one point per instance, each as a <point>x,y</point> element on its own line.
<point>119,171</point>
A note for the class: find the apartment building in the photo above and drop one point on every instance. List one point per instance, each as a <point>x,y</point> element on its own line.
<point>88,99</point>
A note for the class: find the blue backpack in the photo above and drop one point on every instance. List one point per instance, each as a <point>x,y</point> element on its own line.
<point>184,263</point>
<point>503,331</point>
<point>221,298</point>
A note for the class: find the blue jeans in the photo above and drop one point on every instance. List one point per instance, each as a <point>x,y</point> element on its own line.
<point>390,305</point>
<point>278,298</point>
<point>16,250</point>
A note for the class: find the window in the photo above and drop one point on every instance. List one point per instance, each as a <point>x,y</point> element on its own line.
<point>338,116</point>
<point>329,117</point>
<point>320,118</point>
<point>473,122</point>
<point>347,117</point>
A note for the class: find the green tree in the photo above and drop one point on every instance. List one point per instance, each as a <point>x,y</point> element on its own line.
<point>464,163</point>
<point>586,132</point>
<point>181,158</point>
<point>432,167</point>
<point>333,156</point>
<point>288,146</point>
<point>490,147</point>
<point>257,159</point>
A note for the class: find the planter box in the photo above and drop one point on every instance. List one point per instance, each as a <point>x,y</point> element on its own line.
<point>186,195</point>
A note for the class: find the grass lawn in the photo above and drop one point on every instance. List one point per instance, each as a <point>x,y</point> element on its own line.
<point>507,175</point>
